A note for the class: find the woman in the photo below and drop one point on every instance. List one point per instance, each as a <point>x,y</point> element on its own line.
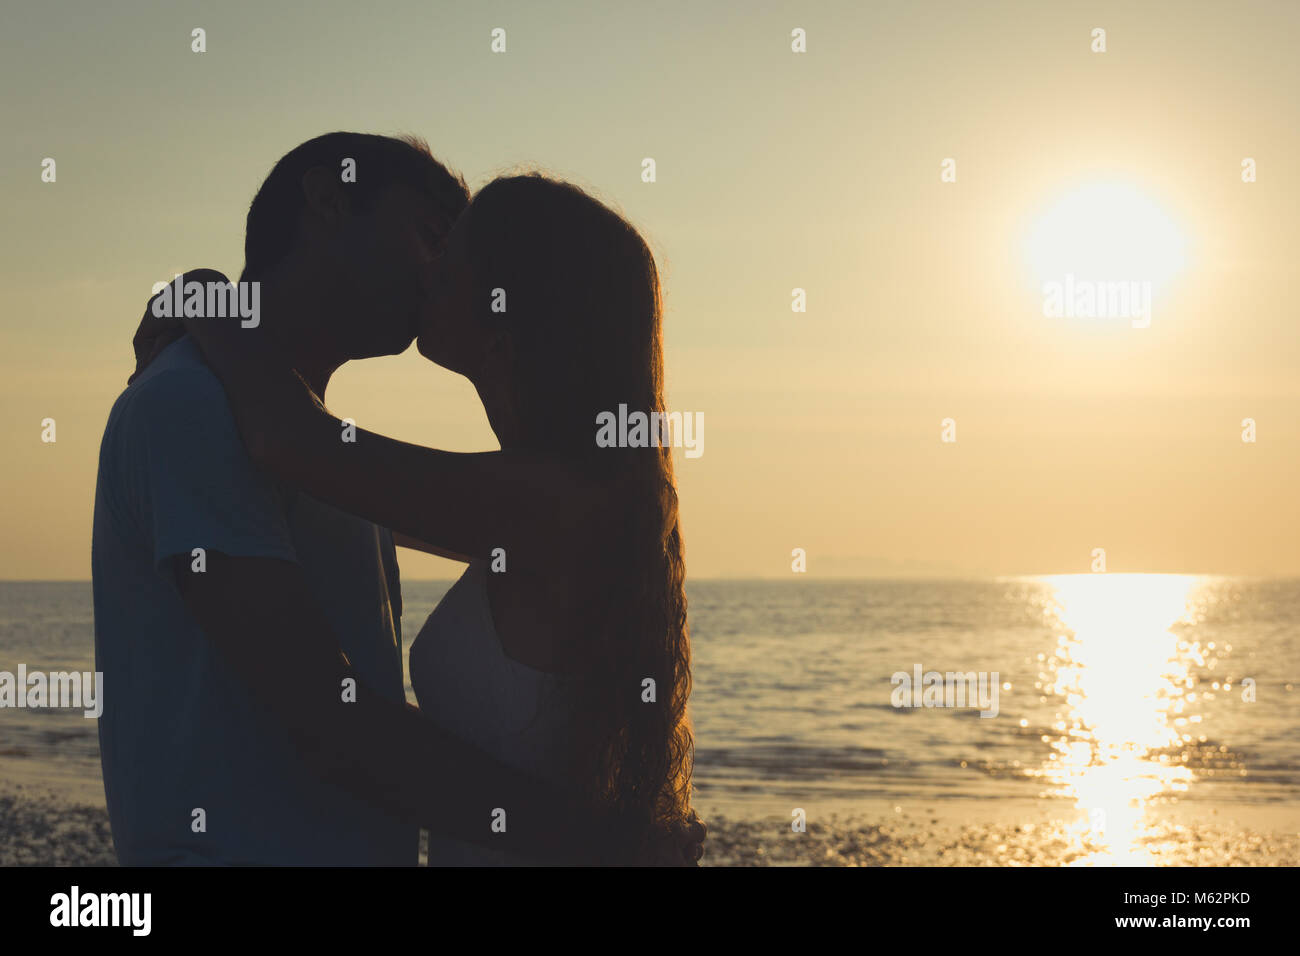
<point>564,647</point>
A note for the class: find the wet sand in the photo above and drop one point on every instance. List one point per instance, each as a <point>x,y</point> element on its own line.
<point>919,843</point>
<point>37,828</point>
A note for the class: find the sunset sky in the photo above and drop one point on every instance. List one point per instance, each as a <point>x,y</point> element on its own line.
<point>775,170</point>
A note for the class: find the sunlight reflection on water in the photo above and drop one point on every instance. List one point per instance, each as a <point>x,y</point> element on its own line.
<point>1123,681</point>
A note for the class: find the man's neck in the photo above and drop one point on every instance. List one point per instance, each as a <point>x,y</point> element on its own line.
<point>292,312</point>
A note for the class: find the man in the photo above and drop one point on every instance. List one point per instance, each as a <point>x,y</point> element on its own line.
<point>249,636</point>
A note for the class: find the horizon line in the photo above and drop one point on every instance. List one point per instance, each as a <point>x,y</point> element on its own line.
<point>794,576</point>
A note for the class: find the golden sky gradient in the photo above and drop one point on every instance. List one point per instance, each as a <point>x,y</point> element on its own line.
<point>775,170</point>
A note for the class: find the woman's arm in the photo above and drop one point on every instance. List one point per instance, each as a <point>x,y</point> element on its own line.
<point>466,504</point>
<point>260,615</point>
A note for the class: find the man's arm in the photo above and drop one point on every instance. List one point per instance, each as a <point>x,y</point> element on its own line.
<point>260,615</point>
<point>415,544</point>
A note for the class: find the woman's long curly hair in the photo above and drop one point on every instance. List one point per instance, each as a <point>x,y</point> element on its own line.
<point>584,314</point>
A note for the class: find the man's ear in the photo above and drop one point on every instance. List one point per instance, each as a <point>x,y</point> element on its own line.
<point>323,193</point>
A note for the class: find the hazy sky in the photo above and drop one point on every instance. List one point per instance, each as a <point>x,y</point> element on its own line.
<point>776,170</point>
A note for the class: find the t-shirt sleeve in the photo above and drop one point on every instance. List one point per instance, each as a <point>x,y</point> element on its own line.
<point>392,571</point>
<point>195,484</point>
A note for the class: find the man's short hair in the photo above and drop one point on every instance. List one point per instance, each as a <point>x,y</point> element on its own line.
<point>381,161</point>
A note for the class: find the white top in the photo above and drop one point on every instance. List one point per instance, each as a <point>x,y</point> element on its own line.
<point>465,683</point>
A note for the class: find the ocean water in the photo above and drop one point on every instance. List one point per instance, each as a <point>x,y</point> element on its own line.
<point>1115,693</point>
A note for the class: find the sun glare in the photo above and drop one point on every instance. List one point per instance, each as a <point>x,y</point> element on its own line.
<point>1106,232</point>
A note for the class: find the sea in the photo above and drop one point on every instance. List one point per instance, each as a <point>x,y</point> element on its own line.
<point>1115,693</point>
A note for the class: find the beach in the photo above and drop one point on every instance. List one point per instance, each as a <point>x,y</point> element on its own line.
<point>38,828</point>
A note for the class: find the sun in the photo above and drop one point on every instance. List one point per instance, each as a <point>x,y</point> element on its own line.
<point>1106,232</point>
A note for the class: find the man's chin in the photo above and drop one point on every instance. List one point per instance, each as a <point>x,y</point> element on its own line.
<point>379,349</point>
<point>424,345</point>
